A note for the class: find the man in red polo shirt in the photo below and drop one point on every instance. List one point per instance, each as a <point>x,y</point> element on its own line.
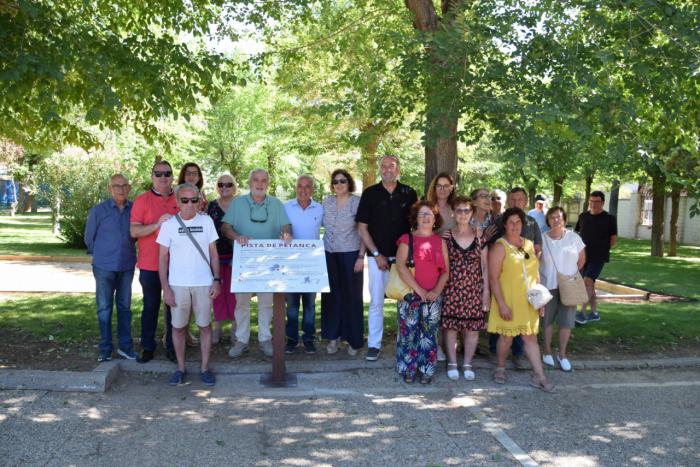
<point>149,211</point>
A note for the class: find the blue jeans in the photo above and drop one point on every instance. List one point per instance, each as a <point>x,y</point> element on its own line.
<point>516,347</point>
<point>150,284</point>
<point>308,320</point>
<point>110,287</point>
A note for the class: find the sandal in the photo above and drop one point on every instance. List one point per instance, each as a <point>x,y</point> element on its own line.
<point>499,375</point>
<point>452,372</point>
<point>425,379</point>
<point>408,378</point>
<point>542,384</point>
<point>468,372</point>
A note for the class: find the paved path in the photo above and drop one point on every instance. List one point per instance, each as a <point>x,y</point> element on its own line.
<point>361,418</point>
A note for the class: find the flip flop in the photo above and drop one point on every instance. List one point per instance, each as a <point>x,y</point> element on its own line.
<point>499,375</point>
<point>542,385</point>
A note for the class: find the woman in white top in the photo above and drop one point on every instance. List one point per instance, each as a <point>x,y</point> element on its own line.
<point>342,311</point>
<point>562,251</point>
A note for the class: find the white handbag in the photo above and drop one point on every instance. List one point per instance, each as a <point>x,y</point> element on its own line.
<point>539,295</point>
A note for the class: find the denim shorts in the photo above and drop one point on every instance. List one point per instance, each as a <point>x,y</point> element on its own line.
<point>592,269</point>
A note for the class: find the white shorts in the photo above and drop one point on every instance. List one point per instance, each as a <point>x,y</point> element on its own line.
<point>191,299</point>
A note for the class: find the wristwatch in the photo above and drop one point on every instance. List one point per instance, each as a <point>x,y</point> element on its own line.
<point>217,279</point>
<point>375,253</point>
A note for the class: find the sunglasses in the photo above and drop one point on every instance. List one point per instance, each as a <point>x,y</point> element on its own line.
<point>193,200</point>
<point>342,181</point>
<point>495,199</point>
<point>225,185</point>
<point>520,249</point>
<point>165,173</point>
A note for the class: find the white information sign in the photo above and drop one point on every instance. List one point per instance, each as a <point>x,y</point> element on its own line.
<point>272,266</point>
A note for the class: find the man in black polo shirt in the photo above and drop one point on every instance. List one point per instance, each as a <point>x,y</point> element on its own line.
<point>598,229</point>
<point>382,217</point>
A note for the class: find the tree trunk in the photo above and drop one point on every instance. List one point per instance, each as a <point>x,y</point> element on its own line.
<point>21,199</point>
<point>673,228</point>
<point>657,214</point>
<point>441,90</point>
<point>369,161</point>
<point>589,183</point>
<point>614,197</point>
<point>558,189</point>
<point>33,203</point>
<point>531,193</point>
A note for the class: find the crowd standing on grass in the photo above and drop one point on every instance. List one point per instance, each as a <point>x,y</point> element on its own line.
<point>469,268</point>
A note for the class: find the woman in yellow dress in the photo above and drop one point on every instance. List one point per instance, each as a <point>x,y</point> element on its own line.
<point>511,314</point>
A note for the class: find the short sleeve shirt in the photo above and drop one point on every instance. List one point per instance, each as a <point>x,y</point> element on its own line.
<point>147,209</point>
<point>386,214</point>
<point>256,220</point>
<point>306,223</point>
<point>428,259</point>
<point>340,228</point>
<point>187,268</point>
<point>559,255</point>
<point>596,230</point>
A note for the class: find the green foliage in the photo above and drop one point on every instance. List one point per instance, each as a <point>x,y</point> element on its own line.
<point>77,181</point>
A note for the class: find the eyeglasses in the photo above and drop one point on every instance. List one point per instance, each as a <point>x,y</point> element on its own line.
<point>342,181</point>
<point>193,200</point>
<point>121,187</point>
<point>463,211</point>
<point>225,185</point>
<point>482,196</point>
<point>192,173</point>
<point>258,213</point>
<point>520,250</point>
<point>443,187</point>
<point>425,214</point>
<point>165,173</point>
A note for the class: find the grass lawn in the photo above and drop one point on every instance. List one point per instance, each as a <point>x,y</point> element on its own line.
<point>31,235</point>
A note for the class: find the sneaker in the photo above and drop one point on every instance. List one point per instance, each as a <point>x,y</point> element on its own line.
<point>593,316</point>
<point>332,346</point>
<point>309,347</point>
<point>128,354</point>
<point>178,378</point>
<point>237,350</point>
<point>208,378</point>
<point>146,357</point>
<point>564,364</point>
<point>441,355</point>
<point>104,357</point>
<point>372,354</point>
<point>352,352</point>
<point>581,318</point>
<point>548,360</point>
<point>266,347</point>
<point>520,363</point>
<point>290,347</point>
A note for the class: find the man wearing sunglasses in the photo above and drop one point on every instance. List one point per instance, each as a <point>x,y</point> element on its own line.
<point>148,213</point>
<point>256,215</point>
<point>188,264</point>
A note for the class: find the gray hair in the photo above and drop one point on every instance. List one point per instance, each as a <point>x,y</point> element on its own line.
<point>186,186</point>
<point>307,177</point>
<point>258,170</point>
<point>118,175</point>
<point>389,156</point>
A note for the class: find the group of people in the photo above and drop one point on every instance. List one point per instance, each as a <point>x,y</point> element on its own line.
<point>468,266</point>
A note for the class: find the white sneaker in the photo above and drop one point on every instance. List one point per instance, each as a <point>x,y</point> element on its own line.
<point>441,355</point>
<point>548,360</point>
<point>564,364</point>
<point>237,350</point>
<point>332,346</point>
<point>266,347</point>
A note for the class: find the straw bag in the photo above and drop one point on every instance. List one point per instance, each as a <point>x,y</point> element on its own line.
<point>396,288</point>
<point>572,289</point>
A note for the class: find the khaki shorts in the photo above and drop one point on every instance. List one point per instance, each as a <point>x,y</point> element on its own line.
<point>555,310</point>
<point>191,299</point>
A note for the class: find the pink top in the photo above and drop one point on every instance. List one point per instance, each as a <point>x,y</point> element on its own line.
<point>427,256</point>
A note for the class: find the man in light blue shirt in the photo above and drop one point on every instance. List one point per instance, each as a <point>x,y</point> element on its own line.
<point>256,215</point>
<point>538,213</point>
<point>306,216</point>
<point>113,259</point>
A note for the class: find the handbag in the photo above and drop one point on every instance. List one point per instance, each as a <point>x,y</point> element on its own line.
<point>396,288</point>
<point>572,289</point>
<point>538,296</point>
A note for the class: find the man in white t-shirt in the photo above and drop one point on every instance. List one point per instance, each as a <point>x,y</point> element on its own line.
<point>185,270</point>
